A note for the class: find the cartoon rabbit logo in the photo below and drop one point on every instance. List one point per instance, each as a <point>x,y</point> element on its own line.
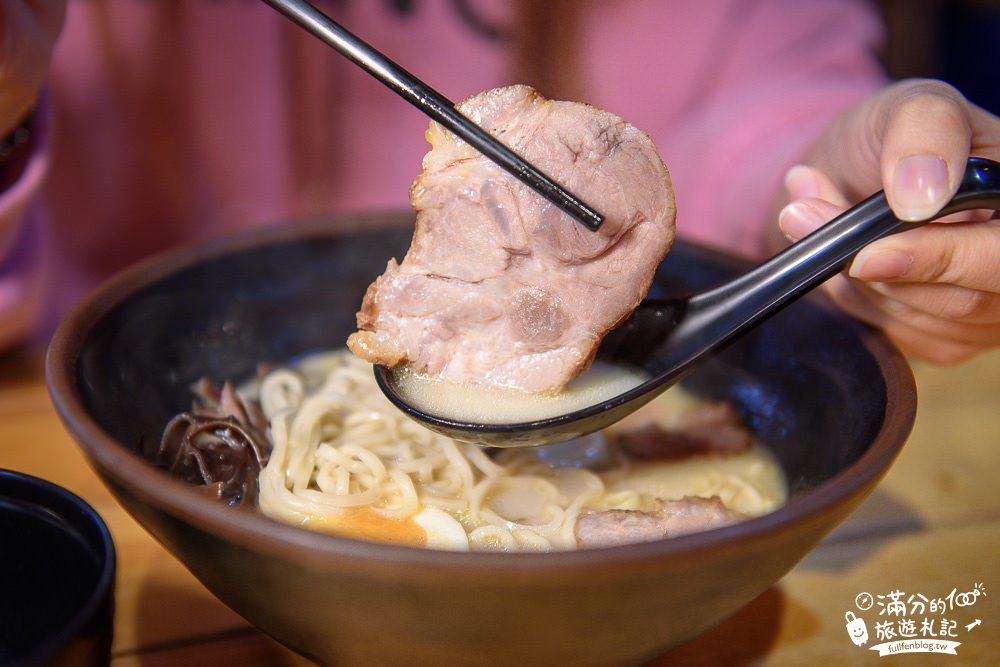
<point>856,629</point>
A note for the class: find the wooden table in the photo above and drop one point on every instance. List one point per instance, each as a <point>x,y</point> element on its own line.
<point>933,525</point>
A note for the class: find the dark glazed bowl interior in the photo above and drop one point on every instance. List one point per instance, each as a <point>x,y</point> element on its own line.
<point>57,565</point>
<point>831,398</point>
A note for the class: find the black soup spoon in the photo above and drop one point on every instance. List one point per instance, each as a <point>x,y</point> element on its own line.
<point>665,338</point>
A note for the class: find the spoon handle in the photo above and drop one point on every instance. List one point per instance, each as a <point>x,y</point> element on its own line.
<point>729,309</point>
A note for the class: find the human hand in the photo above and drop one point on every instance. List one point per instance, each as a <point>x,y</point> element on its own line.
<point>28,31</point>
<point>934,290</point>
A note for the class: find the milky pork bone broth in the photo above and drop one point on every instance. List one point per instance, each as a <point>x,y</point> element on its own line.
<point>477,404</point>
<point>316,444</point>
<point>344,460</point>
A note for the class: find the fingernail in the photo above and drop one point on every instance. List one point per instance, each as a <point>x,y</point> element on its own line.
<point>874,264</point>
<point>797,220</point>
<point>801,183</point>
<point>920,188</point>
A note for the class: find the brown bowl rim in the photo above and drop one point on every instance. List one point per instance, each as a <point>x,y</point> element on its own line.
<point>119,464</point>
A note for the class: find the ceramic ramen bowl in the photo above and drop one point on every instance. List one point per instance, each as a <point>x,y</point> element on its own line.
<point>832,399</point>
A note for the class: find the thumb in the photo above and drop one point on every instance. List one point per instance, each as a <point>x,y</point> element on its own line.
<point>926,141</point>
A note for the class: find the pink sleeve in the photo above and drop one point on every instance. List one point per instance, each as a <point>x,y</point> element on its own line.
<point>734,93</point>
<point>21,274</point>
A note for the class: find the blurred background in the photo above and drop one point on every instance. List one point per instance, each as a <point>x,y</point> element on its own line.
<point>954,40</point>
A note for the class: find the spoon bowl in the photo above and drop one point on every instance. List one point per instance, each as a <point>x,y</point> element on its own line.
<point>666,337</point>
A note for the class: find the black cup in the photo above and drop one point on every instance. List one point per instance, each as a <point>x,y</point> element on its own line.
<point>57,566</point>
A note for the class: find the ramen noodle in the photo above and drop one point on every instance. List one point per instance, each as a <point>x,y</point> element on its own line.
<point>345,461</point>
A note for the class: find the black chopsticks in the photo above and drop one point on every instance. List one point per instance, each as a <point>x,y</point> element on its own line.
<point>435,105</point>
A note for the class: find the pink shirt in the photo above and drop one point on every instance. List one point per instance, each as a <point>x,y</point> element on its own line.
<point>172,122</point>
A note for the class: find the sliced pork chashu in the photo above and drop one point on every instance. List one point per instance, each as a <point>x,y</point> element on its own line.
<point>668,518</point>
<point>500,287</point>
